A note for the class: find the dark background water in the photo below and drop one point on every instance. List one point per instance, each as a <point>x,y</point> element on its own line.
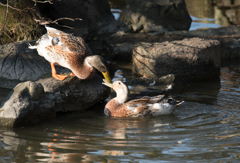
<point>206,128</point>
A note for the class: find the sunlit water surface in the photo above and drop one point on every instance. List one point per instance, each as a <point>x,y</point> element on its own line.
<point>205,128</point>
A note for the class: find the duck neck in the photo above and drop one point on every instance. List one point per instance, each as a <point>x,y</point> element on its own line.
<point>85,71</point>
<point>122,97</point>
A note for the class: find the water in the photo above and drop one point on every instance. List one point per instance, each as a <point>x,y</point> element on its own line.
<point>206,128</point>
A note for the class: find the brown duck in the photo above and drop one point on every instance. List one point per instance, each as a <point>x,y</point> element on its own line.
<point>118,107</point>
<point>71,52</point>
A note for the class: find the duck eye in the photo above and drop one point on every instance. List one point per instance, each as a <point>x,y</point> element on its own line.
<point>119,83</point>
<point>55,41</point>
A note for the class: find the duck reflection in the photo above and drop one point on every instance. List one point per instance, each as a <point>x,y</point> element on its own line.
<point>83,138</point>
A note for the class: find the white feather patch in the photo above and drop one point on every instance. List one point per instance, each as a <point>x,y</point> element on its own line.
<point>132,109</point>
<point>161,109</point>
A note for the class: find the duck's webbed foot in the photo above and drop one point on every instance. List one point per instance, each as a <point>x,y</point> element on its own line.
<point>55,75</point>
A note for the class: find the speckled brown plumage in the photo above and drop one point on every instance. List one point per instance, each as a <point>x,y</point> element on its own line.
<point>71,52</point>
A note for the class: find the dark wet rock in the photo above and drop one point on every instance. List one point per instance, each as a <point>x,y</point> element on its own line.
<point>97,45</point>
<point>78,32</point>
<point>114,27</point>
<point>189,59</point>
<point>145,86</point>
<point>156,16</point>
<point>163,80</point>
<point>21,106</point>
<point>31,102</point>
<point>18,63</point>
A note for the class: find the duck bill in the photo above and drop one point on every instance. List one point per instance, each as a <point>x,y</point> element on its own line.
<point>107,83</point>
<point>107,77</point>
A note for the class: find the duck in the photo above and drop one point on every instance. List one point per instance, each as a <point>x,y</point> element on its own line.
<point>66,50</point>
<point>141,107</point>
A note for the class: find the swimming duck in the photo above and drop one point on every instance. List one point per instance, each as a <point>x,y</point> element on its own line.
<point>118,107</point>
<point>70,52</point>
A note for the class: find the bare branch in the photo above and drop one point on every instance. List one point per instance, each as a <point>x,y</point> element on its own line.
<point>10,6</point>
<point>45,22</point>
<point>66,19</point>
<point>8,36</point>
<point>46,1</point>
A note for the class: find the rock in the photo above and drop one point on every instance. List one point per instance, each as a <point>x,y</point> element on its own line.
<point>161,15</point>
<point>94,13</point>
<point>192,59</point>
<point>150,28</point>
<point>97,45</point>
<point>18,63</point>
<point>31,102</point>
<point>20,106</point>
<point>113,27</point>
<point>163,80</point>
<point>119,46</point>
<point>228,36</point>
<point>226,12</point>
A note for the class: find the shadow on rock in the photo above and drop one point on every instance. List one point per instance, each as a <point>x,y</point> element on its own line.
<point>18,63</point>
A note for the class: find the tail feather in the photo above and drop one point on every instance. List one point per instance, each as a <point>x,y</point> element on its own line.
<point>172,101</point>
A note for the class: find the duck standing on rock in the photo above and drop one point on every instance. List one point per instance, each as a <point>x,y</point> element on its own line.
<point>70,52</point>
<point>118,107</point>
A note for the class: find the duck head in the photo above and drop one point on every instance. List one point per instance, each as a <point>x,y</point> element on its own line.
<point>53,35</point>
<point>99,63</point>
<point>120,88</point>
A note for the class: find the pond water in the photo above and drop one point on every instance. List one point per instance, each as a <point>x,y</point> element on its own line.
<point>206,128</point>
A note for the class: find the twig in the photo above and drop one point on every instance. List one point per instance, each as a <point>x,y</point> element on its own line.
<point>45,22</point>
<point>8,36</point>
<point>66,19</point>
<point>10,6</point>
<point>46,1</point>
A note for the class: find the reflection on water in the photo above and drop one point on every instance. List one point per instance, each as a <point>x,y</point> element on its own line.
<point>204,128</point>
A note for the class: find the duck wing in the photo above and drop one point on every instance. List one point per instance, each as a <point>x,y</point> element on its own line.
<point>137,110</point>
<point>147,99</point>
<point>140,107</point>
<point>157,105</point>
<point>76,44</point>
<point>69,43</point>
